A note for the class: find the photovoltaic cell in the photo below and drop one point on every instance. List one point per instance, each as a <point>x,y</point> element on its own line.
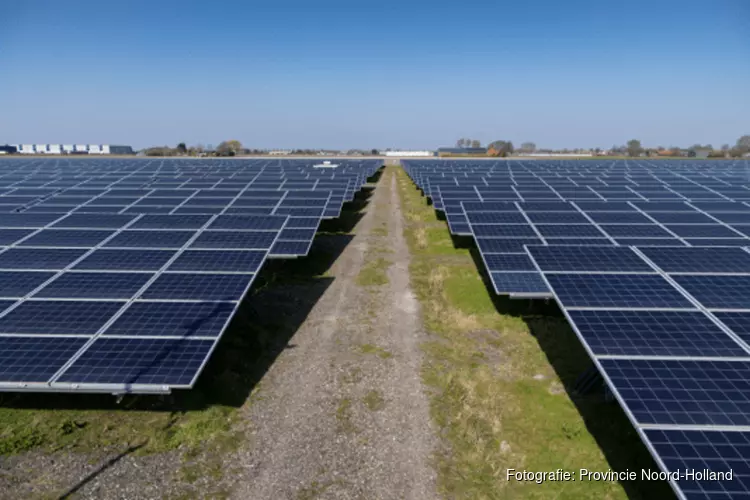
<point>250,240</point>
<point>73,238</point>
<point>702,231</point>
<point>39,258</point>
<point>505,245</point>
<point>11,236</point>
<point>150,239</point>
<point>720,292</point>
<point>94,221</point>
<point>683,392</point>
<point>502,230</point>
<point>635,231</point>
<point>616,291</point>
<point>654,333</point>
<point>508,262</point>
<point>569,230</point>
<point>241,261</point>
<point>178,319</point>
<point>571,258</point>
<point>94,285</point>
<point>700,450</point>
<point>58,317</point>
<point>17,284</point>
<point>171,222</point>
<point>518,283</point>
<point>183,286</point>
<point>139,361</point>
<point>245,222</point>
<point>700,260</point>
<point>125,260</point>
<point>35,359</point>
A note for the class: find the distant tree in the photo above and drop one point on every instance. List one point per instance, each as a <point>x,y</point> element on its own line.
<point>460,143</point>
<point>634,147</point>
<point>196,150</point>
<point>476,143</point>
<point>229,148</point>
<point>743,143</point>
<point>501,148</point>
<point>181,148</point>
<point>675,151</point>
<point>374,152</point>
<point>527,147</point>
<point>725,147</point>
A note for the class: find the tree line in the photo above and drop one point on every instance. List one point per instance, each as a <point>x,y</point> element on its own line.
<point>632,148</point>
<point>226,148</point>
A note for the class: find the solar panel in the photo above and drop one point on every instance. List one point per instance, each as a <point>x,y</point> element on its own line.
<point>119,249</point>
<point>683,392</point>
<point>653,333</point>
<point>184,286</point>
<point>519,283</point>
<point>712,450</point>
<point>699,260</point>
<point>602,258</point>
<point>240,261</point>
<point>58,317</point>
<point>125,260</point>
<point>172,319</point>
<point>616,291</point>
<point>718,291</point>
<point>94,285</point>
<point>132,361</point>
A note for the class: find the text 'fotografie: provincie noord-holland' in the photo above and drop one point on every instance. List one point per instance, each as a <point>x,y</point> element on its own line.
<point>540,477</point>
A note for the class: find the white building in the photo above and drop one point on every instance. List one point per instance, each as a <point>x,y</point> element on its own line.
<point>409,153</point>
<point>59,149</point>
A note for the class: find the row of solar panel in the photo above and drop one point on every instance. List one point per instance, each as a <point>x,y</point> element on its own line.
<point>668,327</point>
<point>134,303</point>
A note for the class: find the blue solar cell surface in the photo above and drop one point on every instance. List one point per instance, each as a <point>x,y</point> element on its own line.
<point>616,291</point>
<point>700,260</point>
<point>601,258</point>
<point>684,450</point>
<point>58,317</point>
<point>718,291</point>
<point>653,333</point>
<point>184,286</point>
<point>139,361</point>
<point>177,319</point>
<point>35,359</point>
<point>94,285</point>
<point>17,284</point>
<point>683,392</point>
<point>150,239</point>
<point>249,240</point>
<point>241,261</point>
<point>106,259</point>
<point>519,283</point>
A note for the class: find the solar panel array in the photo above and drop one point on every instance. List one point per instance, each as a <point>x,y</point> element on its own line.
<point>650,263</point>
<point>122,275</point>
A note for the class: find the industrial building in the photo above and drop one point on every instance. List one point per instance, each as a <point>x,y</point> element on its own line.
<point>72,149</point>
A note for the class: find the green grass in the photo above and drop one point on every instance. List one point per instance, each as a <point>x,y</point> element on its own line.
<point>373,400</point>
<point>375,350</point>
<point>374,273</point>
<point>499,372</point>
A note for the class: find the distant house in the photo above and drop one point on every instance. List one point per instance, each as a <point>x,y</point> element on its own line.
<point>462,151</point>
<point>7,150</point>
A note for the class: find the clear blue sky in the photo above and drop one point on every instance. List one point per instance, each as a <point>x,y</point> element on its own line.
<point>340,74</point>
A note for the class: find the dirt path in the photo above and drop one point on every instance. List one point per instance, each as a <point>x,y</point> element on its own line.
<point>343,414</point>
